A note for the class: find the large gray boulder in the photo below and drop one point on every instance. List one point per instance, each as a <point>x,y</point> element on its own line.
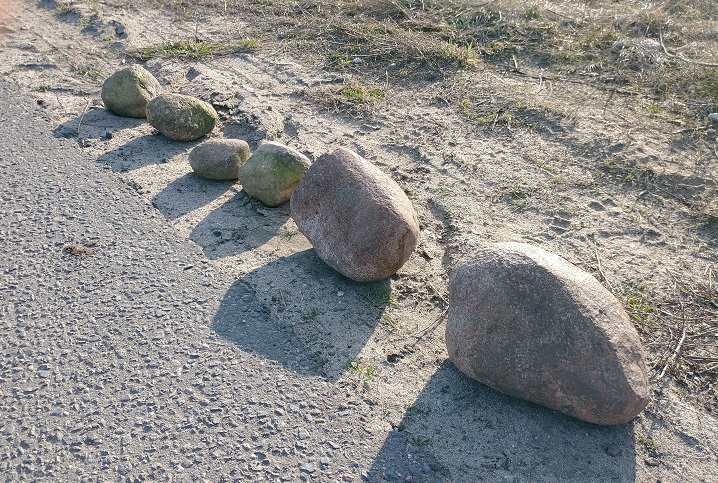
<point>127,91</point>
<point>532,325</point>
<point>219,159</point>
<point>272,173</point>
<point>180,117</point>
<point>358,219</point>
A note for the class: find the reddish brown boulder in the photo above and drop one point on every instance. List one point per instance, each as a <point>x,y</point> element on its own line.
<point>358,219</point>
<point>532,325</point>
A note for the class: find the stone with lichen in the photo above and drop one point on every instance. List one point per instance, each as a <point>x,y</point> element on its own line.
<point>128,91</point>
<point>181,117</point>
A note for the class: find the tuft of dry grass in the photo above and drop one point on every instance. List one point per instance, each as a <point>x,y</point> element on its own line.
<point>684,335</point>
<point>354,96</point>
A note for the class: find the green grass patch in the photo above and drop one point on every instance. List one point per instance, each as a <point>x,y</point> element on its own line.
<point>193,50</point>
<point>365,372</point>
<point>178,50</point>
<point>310,315</point>
<point>380,296</point>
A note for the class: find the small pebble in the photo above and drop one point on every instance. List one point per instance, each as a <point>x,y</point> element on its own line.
<point>308,467</point>
<point>613,450</point>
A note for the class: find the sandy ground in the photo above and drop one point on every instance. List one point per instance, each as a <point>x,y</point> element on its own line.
<point>610,189</point>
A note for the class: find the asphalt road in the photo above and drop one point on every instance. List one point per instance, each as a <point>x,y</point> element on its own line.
<point>113,367</point>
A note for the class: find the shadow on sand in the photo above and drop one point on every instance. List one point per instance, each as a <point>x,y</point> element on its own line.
<point>188,193</point>
<point>98,125</point>
<point>301,313</point>
<point>479,434</point>
<point>239,225</point>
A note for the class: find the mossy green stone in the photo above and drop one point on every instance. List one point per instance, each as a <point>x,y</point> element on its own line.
<point>180,117</point>
<point>127,91</point>
<point>272,173</point>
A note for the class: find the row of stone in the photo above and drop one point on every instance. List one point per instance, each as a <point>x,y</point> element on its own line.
<point>521,320</point>
<point>358,219</point>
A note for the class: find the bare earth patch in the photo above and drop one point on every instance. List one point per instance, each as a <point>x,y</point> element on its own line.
<point>581,128</point>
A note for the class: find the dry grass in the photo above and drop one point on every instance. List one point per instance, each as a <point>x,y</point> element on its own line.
<point>683,333</point>
<point>664,51</point>
<point>353,96</point>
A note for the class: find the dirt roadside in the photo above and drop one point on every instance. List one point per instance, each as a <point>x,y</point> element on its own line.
<point>605,186</point>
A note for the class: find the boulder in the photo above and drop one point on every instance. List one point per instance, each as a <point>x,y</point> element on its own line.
<point>180,117</point>
<point>127,91</point>
<point>272,173</point>
<point>532,325</point>
<point>358,219</point>
<point>219,159</point>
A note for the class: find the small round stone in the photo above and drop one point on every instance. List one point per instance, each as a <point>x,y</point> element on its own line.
<point>127,91</point>
<point>219,159</point>
<point>180,117</point>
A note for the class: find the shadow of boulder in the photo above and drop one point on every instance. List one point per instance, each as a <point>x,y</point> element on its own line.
<point>301,313</point>
<point>241,224</point>
<point>100,125</point>
<point>188,193</point>
<point>459,430</point>
<point>134,154</point>
<point>96,123</point>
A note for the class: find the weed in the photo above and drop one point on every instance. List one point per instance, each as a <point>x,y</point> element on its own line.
<point>288,232</point>
<point>445,190</point>
<point>390,324</point>
<point>650,444</point>
<point>519,193</point>
<point>639,308</point>
<point>597,38</point>
<point>249,44</point>
<point>43,87</point>
<point>358,93</point>
<point>380,296</point>
<point>15,70</point>
<point>365,372</point>
<point>420,441</point>
<point>414,410</point>
<point>64,8</point>
<point>354,97</point>
<point>87,71</point>
<point>310,315</point>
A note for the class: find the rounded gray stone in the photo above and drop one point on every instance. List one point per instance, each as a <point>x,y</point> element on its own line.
<point>180,117</point>
<point>127,91</point>
<point>219,159</point>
